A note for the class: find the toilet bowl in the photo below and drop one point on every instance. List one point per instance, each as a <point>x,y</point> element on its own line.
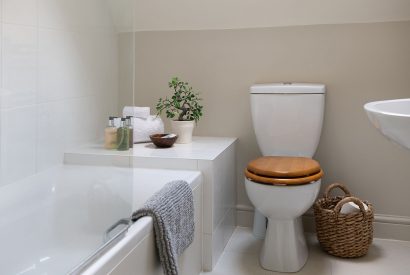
<point>282,189</point>
<point>287,119</point>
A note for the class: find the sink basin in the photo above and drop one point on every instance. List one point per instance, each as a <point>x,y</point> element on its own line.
<point>392,119</point>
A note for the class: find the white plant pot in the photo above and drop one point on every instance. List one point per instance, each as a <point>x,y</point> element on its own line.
<point>183,129</point>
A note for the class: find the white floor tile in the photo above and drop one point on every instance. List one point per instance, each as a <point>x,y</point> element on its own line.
<point>241,257</point>
<point>238,264</point>
<point>242,241</point>
<point>384,257</point>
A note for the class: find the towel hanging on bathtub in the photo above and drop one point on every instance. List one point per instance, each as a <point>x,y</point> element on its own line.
<point>172,211</point>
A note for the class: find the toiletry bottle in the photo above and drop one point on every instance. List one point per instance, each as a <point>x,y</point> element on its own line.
<point>130,131</point>
<point>117,121</point>
<point>123,137</point>
<point>110,135</point>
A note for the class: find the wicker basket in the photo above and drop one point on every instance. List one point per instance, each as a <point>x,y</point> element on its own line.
<point>343,235</point>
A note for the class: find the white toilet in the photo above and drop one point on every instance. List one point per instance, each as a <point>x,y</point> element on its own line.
<point>282,185</point>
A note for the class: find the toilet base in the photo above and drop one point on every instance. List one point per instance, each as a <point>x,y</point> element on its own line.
<point>284,248</point>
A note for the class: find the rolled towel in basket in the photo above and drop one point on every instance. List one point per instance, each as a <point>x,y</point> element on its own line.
<point>140,112</point>
<point>352,207</point>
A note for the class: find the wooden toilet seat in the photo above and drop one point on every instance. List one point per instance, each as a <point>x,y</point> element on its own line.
<point>283,170</point>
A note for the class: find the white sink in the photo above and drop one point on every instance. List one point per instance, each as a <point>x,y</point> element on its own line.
<point>392,119</point>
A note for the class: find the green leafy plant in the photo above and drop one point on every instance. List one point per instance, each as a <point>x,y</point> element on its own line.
<point>184,103</point>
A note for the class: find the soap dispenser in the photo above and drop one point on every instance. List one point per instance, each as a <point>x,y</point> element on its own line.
<point>130,131</point>
<point>110,135</point>
<point>123,136</point>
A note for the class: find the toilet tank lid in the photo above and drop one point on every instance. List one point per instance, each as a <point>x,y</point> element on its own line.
<point>288,88</point>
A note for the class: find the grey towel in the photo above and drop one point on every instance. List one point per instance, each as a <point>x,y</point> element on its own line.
<point>172,209</point>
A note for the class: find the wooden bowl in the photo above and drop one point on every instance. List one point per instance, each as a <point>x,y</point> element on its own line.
<point>161,142</point>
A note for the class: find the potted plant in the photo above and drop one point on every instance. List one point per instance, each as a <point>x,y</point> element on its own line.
<point>183,108</point>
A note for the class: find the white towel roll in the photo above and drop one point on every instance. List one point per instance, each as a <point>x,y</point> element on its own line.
<point>139,112</point>
<point>351,207</point>
<point>143,128</point>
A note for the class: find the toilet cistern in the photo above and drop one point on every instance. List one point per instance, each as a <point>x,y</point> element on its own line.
<point>287,118</point>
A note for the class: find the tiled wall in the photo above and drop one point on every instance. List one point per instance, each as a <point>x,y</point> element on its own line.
<point>59,80</point>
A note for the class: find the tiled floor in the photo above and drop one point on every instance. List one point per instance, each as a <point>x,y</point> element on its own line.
<point>386,257</point>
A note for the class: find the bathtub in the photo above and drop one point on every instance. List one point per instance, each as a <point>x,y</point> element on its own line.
<point>61,222</point>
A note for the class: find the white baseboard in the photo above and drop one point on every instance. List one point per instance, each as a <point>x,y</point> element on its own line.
<point>385,226</point>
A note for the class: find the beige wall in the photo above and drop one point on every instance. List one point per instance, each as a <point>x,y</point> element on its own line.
<point>357,62</point>
<point>143,15</point>
<point>233,14</point>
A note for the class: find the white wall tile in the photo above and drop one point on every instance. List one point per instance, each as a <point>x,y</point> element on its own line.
<point>74,14</point>
<point>50,135</point>
<point>61,68</point>
<point>64,124</point>
<point>80,116</point>
<point>20,12</point>
<point>61,14</point>
<point>78,69</point>
<point>59,80</point>
<point>17,143</point>
<point>76,64</point>
<point>19,66</point>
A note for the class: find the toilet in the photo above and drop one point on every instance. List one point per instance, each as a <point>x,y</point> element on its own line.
<point>284,183</point>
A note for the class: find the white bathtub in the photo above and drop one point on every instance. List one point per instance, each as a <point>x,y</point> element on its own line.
<point>51,222</point>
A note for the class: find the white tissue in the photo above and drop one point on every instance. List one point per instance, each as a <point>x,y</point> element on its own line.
<point>169,136</point>
<point>143,128</point>
<point>351,207</point>
<point>139,112</point>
